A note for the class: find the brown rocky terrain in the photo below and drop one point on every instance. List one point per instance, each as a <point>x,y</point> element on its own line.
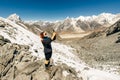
<point>17,63</point>
<point>100,49</point>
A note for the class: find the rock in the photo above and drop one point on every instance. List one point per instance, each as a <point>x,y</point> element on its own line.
<point>1,37</point>
<point>33,58</point>
<point>17,63</point>
<point>2,24</point>
<point>36,50</point>
<point>31,68</point>
<point>4,72</point>
<point>6,58</point>
<point>10,75</point>
<point>42,75</point>
<point>58,75</point>
<point>2,43</point>
<point>27,58</point>
<point>118,41</point>
<point>53,72</point>
<point>69,69</point>
<point>1,68</point>
<point>5,48</point>
<point>16,46</point>
<point>23,77</point>
<point>25,47</point>
<point>27,67</point>
<point>113,29</point>
<point>19,57</point>
<point>69,77</point>
<point>7,40</point>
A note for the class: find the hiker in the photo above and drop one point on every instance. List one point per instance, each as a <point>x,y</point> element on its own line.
<point>46,41</point>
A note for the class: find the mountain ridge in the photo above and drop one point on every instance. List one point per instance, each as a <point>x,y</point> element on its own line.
<point>69,25</point>
<point>63,53</point>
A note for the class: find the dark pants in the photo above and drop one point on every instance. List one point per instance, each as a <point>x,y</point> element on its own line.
<point>47,57</point>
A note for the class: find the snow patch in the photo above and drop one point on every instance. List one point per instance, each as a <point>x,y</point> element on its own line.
<point>61,53</point>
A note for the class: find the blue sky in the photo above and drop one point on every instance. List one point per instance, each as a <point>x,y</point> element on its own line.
<point>57,9</point>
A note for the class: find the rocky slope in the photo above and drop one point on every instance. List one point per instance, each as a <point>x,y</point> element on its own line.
<point>17,63</point>
<point>100,49</point>
<point>24,47</point>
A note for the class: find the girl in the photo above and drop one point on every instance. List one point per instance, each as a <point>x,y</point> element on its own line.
<point>46,41</point>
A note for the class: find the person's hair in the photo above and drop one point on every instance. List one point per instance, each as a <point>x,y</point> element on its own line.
<point>42,34</point>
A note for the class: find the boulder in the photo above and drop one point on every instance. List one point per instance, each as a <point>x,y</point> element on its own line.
<point>1,37</point>
<point>69,77</point>
<point>17,46</point>
<point>118,41</point>
<point>19,57</point>
<point>6,58</point>
<point>23,77</point>
<point>2,24</point>
<point>2,43</point>
<point>58,75</point>
<point>9,75</point>
<point>27,58</point>
<point>4,72</point>
<point>41,75</point>
<point>27,67</point>
<point>17,63</point>
<point>1,68</point>
<point>113,29</point>
<point>25,47</point>
<point>69,69</point>
<point>7,40</point>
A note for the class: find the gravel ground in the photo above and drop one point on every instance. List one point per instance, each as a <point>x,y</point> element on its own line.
<point>98,52</point>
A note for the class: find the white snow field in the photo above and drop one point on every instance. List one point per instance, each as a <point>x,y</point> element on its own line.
<point>61,53</point>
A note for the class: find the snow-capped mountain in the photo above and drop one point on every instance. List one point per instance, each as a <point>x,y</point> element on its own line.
<point>61,54</point>
<point>101,18</point>
<point>79,24</point>
<point>14,17</point>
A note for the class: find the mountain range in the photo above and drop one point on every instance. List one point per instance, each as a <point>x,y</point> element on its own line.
<point>19,37</point>
<point>78,25</point>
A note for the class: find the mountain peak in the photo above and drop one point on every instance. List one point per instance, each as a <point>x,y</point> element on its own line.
<point>14,17</point>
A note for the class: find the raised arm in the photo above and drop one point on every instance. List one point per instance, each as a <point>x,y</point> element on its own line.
<point>53,35</point>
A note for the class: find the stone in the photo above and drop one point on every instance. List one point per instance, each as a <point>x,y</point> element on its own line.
<point>69,77</point>
<point>16,46</point>
<point>1,68</point>
<point>7,57</point>
<point>1,37</point>
<point>27,58</point>
<point>25,47</point>
<point>4,72</point>
<point>7,40</point>
<point>10,75</point>
<point>41,75</point>
<point>113,29</point>
<point>20,56</point>
<point>27,67</point>
<point>34,58</point>
<point>2,24</point>
<point>23,77</point>
<point>2,43</point>
<point>53,72</point>
<point>58,75</point>
<point>118,41</point>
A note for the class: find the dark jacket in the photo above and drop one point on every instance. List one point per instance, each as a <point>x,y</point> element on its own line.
<point>47,44</point>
